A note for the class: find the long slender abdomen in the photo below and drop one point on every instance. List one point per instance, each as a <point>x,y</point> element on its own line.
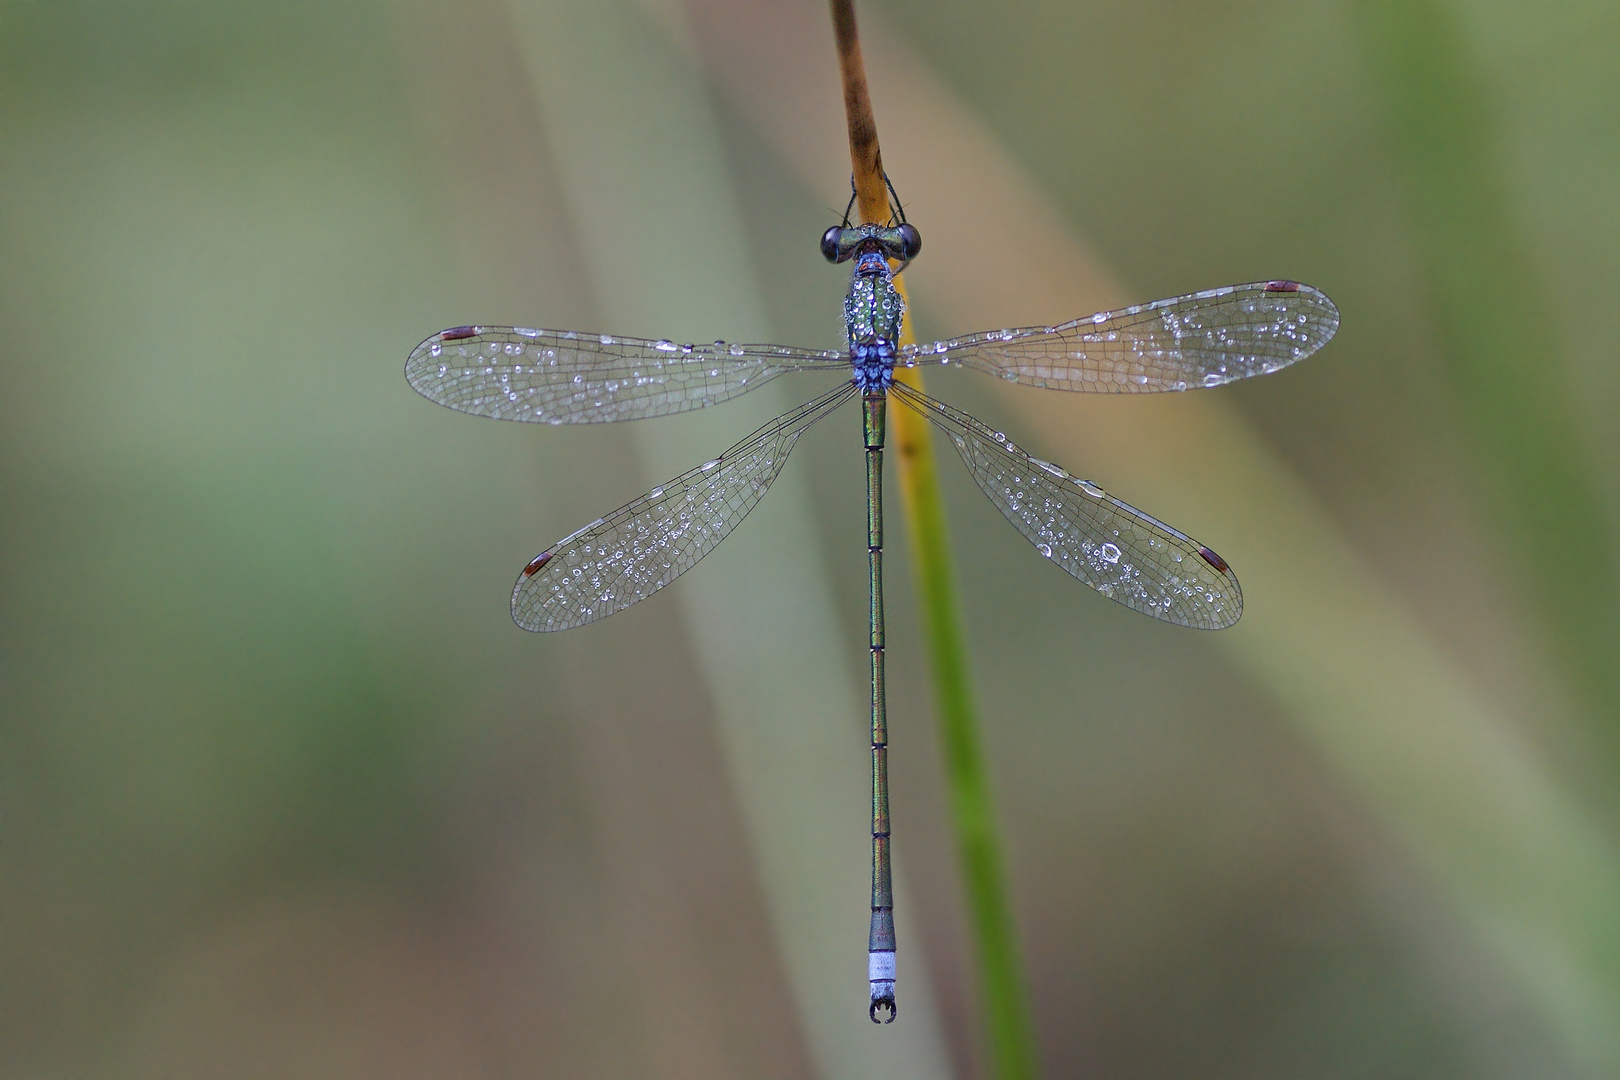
<point>880,946</point>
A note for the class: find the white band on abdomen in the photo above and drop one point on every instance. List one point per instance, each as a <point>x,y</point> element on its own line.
<point>880,965</point>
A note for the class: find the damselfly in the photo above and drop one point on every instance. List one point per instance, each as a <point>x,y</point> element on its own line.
<point>560,377</point>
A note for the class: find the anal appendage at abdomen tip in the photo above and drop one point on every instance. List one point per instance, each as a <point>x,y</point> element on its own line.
<point>880,971</point>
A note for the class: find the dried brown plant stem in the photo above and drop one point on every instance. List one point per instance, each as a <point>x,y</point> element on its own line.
<point>865,158</point>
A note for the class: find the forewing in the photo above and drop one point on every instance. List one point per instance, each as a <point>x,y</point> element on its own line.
<point>643,546</point>
<point>1121,552</point>
<point>1205,339</point>
<point>560,377</point>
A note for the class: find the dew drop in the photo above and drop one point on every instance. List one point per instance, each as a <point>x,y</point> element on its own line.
<point>1110,552</point>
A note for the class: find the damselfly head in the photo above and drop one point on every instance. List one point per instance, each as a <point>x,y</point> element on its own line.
<point>901,242</point>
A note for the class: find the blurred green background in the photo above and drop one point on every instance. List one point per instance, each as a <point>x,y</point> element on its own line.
<point>286,794</point>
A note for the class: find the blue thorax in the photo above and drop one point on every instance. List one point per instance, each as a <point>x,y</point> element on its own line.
<point>872,314</point>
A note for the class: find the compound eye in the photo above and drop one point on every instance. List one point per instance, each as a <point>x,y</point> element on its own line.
<point>829,243</point>
<point>910,241</point>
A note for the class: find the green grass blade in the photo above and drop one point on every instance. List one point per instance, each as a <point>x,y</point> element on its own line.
<point>1004,994</point>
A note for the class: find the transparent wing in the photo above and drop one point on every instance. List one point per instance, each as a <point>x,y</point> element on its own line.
<point>560,377</point>
<point>1205,339</point>
<point>1111,546</point>
<point>639,548</point>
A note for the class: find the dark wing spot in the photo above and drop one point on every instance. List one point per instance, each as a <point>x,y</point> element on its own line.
<point>539,561</point>
<point>1282,286</point>
<point>456,333</point>
<point>1214,560</point>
